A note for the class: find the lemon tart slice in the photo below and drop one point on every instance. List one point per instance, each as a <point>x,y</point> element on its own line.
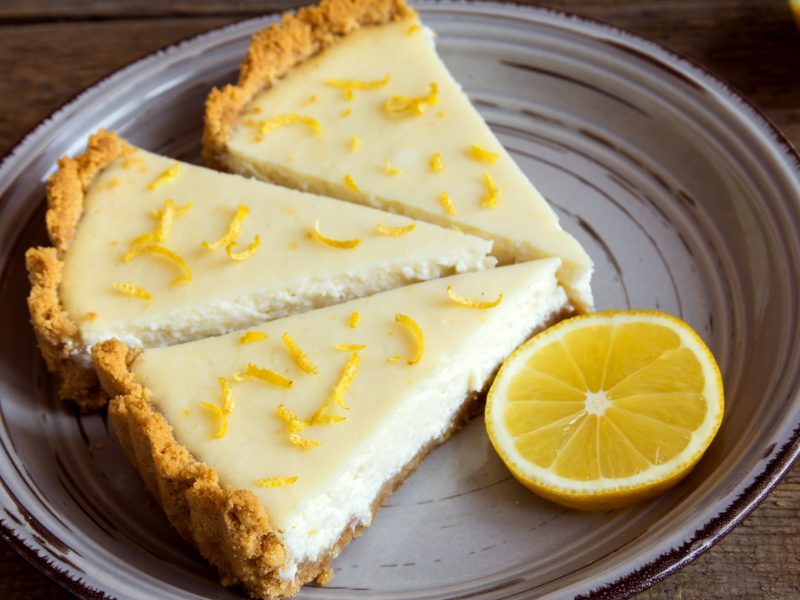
<point>271,448</point>
<point>155,252</point>
<point>351,100</point>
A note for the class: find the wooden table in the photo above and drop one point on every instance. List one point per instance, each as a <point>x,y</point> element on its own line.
<point>51,49</point>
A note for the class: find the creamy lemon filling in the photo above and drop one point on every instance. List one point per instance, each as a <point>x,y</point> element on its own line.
<point>168,252</point>
<point>316,445</point>
<point>419,141</point>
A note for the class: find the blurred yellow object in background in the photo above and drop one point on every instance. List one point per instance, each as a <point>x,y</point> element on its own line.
<point>795,6</point>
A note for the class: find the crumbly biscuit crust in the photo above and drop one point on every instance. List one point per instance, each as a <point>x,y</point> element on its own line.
<point>280,47</point>
<point>228,526</point>
<point>58,336</point>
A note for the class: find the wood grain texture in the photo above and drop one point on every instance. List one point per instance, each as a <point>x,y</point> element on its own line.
<point>52,49</point>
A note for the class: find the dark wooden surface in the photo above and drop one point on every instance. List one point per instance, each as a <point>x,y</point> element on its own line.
<point>51,49</point>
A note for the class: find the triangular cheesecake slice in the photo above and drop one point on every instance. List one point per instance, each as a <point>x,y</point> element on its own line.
<point>269,449</point>
<point>155,252</point>
<point>350,99</point>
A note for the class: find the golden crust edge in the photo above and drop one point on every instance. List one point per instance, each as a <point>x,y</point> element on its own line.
<point>228,526</point>
<point>57,335</point>
<point>275,50</point>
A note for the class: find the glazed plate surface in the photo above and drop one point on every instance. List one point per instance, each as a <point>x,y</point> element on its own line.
<point>688,201</point>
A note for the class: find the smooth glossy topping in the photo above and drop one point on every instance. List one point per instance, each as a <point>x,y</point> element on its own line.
<point>276,482</point>
<point>165,177</point>
<point>247,252</point>
<point>448,205</point>
<point>492,191</point>
<point>252,336</point>
<point>416,330</point>
<point>346,244</point>
<point>390,170</point>
<point>396,231</point>
<point>353,321</point>
<point>266,375</point>
<point>350,347</point>
<point>163,252</point>
<point>133,290</point>
<point>470,303</point>
<point>437,163</point>
<point>348,86</point>
<point>350,183</point>
<point>289,119</point>
<point>234,228</point>
<point>298,355</point>
<point>355,143</point>
<point>483,155</point>
<point>414,106</point>
<point>219,415</point>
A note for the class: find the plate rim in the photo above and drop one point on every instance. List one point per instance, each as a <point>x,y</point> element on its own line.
<point>666,563</point>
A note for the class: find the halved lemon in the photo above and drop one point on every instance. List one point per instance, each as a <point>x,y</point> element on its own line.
<point>606,409</point>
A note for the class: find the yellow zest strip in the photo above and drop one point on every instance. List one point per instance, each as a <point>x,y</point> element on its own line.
<point>419,337</point>
<point>470,303</point>
<point>252,336</point>
<point>276,482</point>
<point>220,415</point>
<point>448,205</point>
<point>302,442</point>
<point>294,424</point>
<point>133,290</point>
<point>164,253</point>
<point>436,162</point>
<point>393,359</point>
<point>492,191</point>
<point>165,177</point>
<point>346,244</point>
<point>396,231</point>
<point>289,119</point>
<point>349,85</point>
<point>353,321</point>
<point>355,143</point>
<point>483,155</point>
<point>227,395</point>
<point>337,396</point>
<point>298,355</point>
<point>247,252</point>
<point>416,106</point>
<point>347,113</point>
<point>350,183</point>
<point>234,228</point>
<point>413,28</point>
<point>266,375</point>
<point>390,170</point>
<point>350,347</point>
<point>177,211</point>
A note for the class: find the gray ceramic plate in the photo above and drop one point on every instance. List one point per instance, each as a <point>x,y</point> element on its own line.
<point>684,195</point>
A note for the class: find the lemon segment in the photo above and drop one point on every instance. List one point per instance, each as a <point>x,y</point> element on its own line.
<point>606,409</point>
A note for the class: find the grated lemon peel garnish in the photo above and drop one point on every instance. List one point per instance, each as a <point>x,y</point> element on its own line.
<point>220,415</point>
<point>415,106</point>
<point>416,330</point>
<point>302,442</point>
<point>349,86</point>
<point>276,482</point>
<point>470,303</point>
<point>293,423</point>
<point>347,113</point>
<point>492,191</point>
<point>396,358</point>
<point>390,170</point>
<point>269,376</point>
<point>165,215</point>
<point>354,319</point>
<point>177,211</point>
<point>163,252</point>
<point>247,252</point>
<point>339,390</point>
<point>345,244</point>
<point>436,163</point>
<point>413,28</point>
<point>396,231</point>
<point>133,290</point>
<point>483,155</point>
<point>351,184</point>
<point>289,119</point>
<point>165,177</point>
<point>355,143</point>
<point>300,357</point>
<point>228,403</point>
<point>444,199</point>
<point>234,229</point>
<point>252,337</point>
<point>349,347</point>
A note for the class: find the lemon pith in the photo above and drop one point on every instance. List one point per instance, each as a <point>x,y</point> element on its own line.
<point>606,409</point>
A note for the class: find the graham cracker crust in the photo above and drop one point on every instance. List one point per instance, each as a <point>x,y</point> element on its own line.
<point>274,51</point>
<point>57,335</point>
<point>228,526</point>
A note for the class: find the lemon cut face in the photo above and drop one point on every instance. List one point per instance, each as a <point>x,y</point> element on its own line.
<point>606,409</point>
